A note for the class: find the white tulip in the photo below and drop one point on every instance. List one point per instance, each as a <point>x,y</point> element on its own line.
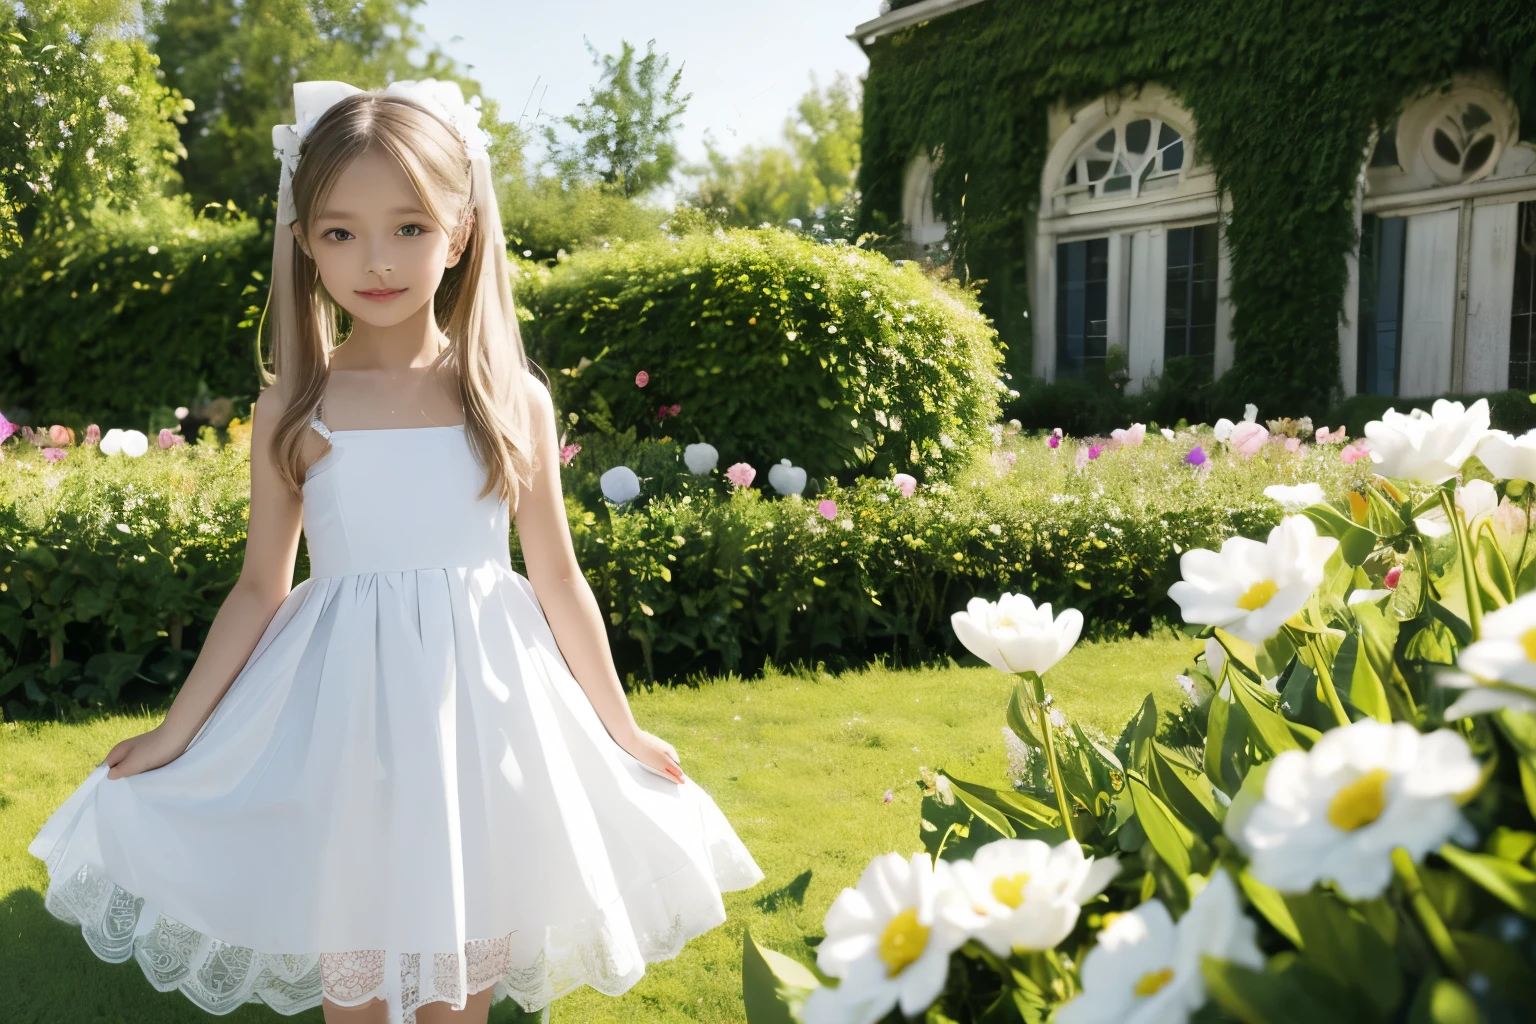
<point>1250,413</point>
<point>1146,970</point>
<point>1250,588</point>
<point>1295,498</point>
<point>1167,433</point>
<point>889,940</point>
<point>700,458</point>
<point>1336,812</point>
<point>785,478</point>
<point>1428,447</point>
<point>619,484</point>
<point>1505,653</point>
<point>1508,457</point>
<point>132,443</point>
<point>1012,635</point>
<point>1223,429</point>
<point>1029,893</point>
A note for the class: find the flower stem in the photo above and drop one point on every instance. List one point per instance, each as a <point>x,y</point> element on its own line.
<point>1434,927</point>
<point>1063,804</point>
<point>1325,679</point>
<point>1468,566</point>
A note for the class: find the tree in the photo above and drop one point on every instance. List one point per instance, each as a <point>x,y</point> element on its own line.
<point>624,131</point>
<point>86,118</point>
<point>809,178</point>
<point>238,60</point>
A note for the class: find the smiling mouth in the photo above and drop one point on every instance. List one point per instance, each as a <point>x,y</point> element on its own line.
<point>379,293</point>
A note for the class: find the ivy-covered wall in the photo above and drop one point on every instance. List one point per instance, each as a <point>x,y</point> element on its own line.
<point>1284,94</point>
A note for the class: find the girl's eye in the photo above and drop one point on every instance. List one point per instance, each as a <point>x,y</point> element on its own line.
<point>342,230</point>
<point>418,228</point>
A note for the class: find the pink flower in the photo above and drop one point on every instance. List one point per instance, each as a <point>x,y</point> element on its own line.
<point>568,453</point>
<point>1394,574</point>
<point>1324,436</point>
<point>661,413</point>
<point>889,796</point>
<point>93,434</point>
<point>1081,458</point>
<point>906,482</point>
<point>1354,452</point>
<point>60,434</point>
<point>168,439</point>
<point>675,408</point>
<point>7,428</point>
<point>1248,438</point>
<point>54,454</point>
<point>36,437</point>
<point>1010,458</point>
<point>1293,444</point>
<point>642,379</point>
<point>1095,451</point>
<point>828,508</point>
<point>740,474</point>
<point>1055,439</point>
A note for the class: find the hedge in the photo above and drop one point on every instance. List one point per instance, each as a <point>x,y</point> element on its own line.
<point>112,569</point>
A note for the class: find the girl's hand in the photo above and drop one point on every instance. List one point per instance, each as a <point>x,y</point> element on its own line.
<point>144,752</point>
<point>653,752</point>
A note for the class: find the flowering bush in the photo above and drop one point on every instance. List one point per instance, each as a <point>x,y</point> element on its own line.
<point>1357,843</point>
<point>769,345</point>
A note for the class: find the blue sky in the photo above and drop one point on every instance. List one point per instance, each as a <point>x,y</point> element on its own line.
<point>746,63</point>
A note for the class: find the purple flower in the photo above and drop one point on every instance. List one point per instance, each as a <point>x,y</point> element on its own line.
<point>1196,456</point>
<point>1095,451</point>
<point>7,428</point>
<point>54,454</point>
<point>1054,441</point>
<point>828,508</point>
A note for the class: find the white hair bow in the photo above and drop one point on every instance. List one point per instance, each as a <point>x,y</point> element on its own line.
<point>313,99</point>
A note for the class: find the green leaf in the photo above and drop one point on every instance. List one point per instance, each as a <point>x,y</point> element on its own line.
<point>1518,727</point>
<point>1355,541</point>
<point>772,984</point>
<point>1269,903</point>
<point>1292,995</point>
<point>1344,946</point>
<point>1189,796</point>
<point>1356,677</point>
<point>1031,813</point>
<point>1493,574</point>
<point>1226,745</point>
<point>1134,749</point>
<point>1442,1001</point>
<point>1270,730</point>
<point>1172,841</point>
<point>1512,883</point>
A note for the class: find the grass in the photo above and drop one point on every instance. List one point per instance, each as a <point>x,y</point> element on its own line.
<point>801,775</point>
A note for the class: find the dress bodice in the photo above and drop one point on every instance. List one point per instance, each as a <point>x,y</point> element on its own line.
<point>400,498</point>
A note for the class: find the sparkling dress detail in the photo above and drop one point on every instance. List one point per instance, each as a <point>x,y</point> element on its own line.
<point>404,793</point>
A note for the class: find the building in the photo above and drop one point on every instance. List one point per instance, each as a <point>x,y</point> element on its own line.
<point>1126,239</point>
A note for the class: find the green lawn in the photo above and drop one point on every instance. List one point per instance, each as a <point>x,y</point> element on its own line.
<point>801,776</point>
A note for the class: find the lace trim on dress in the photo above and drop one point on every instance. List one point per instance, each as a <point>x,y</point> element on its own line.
<point>218,976</point>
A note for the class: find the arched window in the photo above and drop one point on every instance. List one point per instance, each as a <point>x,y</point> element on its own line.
<point>1128,250</point>
<point>1443,288</point>
<point>1126,161</point>
<point>925,231</point>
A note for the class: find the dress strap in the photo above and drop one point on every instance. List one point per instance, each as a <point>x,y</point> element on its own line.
<point>314,421</point>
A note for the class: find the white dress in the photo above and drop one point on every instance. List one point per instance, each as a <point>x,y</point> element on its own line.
<point>404,793</point>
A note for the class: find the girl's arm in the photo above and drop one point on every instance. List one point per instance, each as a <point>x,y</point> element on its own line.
<point>266,576</point>
<point>572,611</point>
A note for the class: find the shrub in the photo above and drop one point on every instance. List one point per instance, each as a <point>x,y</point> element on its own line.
<point>771,346</point>
<point>691,576</point>
<point>135,313</point>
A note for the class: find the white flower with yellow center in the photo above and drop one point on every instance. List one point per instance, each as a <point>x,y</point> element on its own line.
<point>1251,588</point>
<point>889,940</point>
<point>1336,812</point>
<point>1428,447</point>
<point>1013,635</point>
<point>1505,655</point>
<point>1145,969</point>
<point>1029,892</point>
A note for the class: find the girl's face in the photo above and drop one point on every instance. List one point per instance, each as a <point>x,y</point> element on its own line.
<point>379,253</point>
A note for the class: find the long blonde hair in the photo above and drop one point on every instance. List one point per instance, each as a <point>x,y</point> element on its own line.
<point>473,303</point>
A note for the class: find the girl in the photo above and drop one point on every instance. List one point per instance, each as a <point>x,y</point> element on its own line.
<point>412,784</point>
